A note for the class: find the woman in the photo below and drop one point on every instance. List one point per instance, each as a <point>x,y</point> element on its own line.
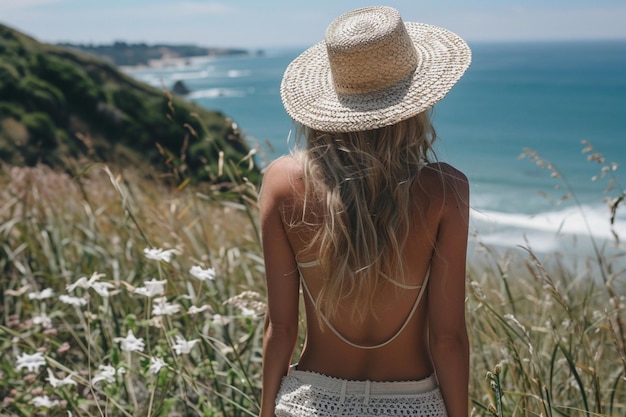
<point>373,234</point>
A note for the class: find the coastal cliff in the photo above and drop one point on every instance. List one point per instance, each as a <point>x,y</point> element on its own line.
<point>59,105</point>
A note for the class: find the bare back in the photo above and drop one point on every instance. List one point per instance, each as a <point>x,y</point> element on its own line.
<point>438,191</point>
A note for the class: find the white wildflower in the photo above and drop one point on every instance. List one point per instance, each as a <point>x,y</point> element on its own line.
<point>74,301</point>
<point>44,320</point>
<point>159,254</point>
<point>183,346</point>
<point>151,288</point>
<point>163,308</point>
<point>81,282</point>
<point>56,382</point>
<point>141,291</point>
<point>203,274</point>
<point>220,320</point>
<point>85,283</point>
<point>156,364</point>
<point>102,288</point>
<point>44,401</point>
<point>195,310</point>
<point>156,287</point>
<point>107,373</point>
<point>247,312</point>
<point>130,343</point>
<point>41,295</point>
<point>31,362</point>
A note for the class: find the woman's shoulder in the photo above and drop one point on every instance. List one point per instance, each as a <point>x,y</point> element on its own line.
<point>281,176</point>
<point>284,167</point>
<point>447,173</point>
<point>440,179</point>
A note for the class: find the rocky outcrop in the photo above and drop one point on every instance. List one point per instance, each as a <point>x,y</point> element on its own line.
<point>180,88</point>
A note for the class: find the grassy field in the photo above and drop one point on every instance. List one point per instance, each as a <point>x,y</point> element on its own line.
<point>121,297</point>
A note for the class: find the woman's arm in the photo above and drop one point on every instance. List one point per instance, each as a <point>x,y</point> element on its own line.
<point>281,317</point>
<point>448,340</point>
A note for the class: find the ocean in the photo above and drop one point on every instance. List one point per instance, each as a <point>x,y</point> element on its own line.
<point>547,97</point>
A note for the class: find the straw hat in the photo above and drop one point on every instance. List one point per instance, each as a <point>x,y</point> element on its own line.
<point>372,70</point>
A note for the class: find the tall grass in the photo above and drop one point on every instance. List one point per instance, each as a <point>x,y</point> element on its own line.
<point>546,339</point>
<point>550,337</point>
<point>55,229</point>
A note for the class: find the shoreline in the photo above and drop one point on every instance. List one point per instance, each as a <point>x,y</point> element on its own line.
<point>575,252</point>
<point>181,62</point>
<point>168,63</point>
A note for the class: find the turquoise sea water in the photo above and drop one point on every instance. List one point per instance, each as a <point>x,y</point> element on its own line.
<point>544,96</point>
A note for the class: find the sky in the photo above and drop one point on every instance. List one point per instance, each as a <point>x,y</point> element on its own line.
<point>285,23</point>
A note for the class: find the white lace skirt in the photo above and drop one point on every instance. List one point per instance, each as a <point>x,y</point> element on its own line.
<point>304,394</point>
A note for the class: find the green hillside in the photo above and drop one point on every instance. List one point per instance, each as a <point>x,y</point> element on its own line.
<point>58,106</point>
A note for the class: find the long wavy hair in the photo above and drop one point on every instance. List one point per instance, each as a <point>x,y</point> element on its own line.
<point>361,182</point>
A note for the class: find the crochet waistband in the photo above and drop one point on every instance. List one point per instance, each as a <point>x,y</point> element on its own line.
<point>344,386</point>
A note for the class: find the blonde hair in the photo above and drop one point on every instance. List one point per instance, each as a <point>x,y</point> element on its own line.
<point>361,181</point>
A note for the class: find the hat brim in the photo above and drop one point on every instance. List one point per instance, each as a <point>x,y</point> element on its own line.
<point>309,96</point>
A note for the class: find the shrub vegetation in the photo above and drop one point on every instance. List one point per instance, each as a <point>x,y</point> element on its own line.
<point>72,105</point>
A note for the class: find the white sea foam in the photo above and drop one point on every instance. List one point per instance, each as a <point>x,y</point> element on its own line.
<point>217,93</point>
<point>189,75</point>
<point>233,73</point>
<point>155,80</point>
<point>551,230</point>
